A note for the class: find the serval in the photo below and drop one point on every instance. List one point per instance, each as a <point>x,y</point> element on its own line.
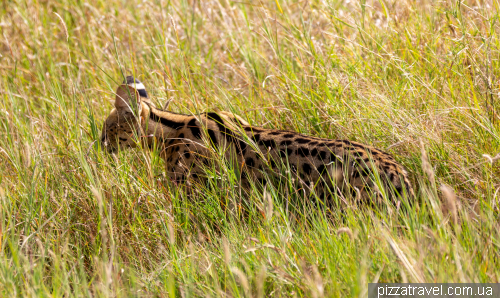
<point>188,141</point>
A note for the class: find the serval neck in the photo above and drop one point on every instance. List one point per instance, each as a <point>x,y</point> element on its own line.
<point>161,124</point>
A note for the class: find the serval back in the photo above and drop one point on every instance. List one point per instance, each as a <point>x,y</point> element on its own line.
<point>186,141</point>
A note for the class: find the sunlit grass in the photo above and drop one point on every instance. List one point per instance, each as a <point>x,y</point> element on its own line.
<point>419,80</point>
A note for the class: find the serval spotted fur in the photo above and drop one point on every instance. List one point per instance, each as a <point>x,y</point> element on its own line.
<point>188,141</point>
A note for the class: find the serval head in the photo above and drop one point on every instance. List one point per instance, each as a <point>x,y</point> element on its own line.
<point>123,124</point>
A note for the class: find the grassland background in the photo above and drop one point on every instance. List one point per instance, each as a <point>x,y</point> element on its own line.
<point>400,75</point>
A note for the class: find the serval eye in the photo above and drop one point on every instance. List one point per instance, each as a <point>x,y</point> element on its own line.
<point>326,166</point>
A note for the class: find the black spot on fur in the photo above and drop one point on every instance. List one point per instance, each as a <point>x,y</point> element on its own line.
<point>353,191</point>
<point>322,155</point>
<point>256,138</point>
<point>303,152</point>
<point>243,147</point>
<point>284,152</point>
<point>166,122</point>
<point>250,162</point>
<point>274,133</point>
<point>228,134</point>
<point>321,168</point>
<point>307,168</point>
<point>211,135</point>
<point>195,130</point>
<point>286,143</point>
<point>302,140</point>
<point>237,121</point>
<point>288,135</point>
<point>267,143</point>
<point>272,163</point>
<point>313,143</point>
<point>215,117</point>
<point>122,139</point>
<point>187,155</point>
<point>181,136</point>
<point>359,154</point>
<point>205,161</point>
<point>314,152</point>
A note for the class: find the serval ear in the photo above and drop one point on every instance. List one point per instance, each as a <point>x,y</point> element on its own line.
<point>127,98</point>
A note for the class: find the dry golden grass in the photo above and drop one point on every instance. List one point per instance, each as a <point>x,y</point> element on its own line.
<point>405,76</point>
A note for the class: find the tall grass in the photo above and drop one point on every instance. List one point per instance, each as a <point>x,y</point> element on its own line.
<point>419,79</point>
